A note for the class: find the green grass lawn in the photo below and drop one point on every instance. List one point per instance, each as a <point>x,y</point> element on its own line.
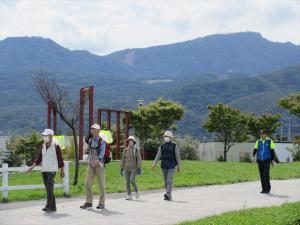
<point>286,214</point>
<point>193,173</point>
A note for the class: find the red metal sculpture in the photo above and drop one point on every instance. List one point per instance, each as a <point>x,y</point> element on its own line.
<point>88,93</point>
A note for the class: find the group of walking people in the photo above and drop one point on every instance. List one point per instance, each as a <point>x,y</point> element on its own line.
<point>50,158</point>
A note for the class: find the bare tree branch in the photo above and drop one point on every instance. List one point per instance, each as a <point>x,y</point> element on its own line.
<point>68,110</point>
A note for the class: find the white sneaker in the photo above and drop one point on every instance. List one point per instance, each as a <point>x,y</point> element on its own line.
<point>137,195</point>
<point>129,197</point>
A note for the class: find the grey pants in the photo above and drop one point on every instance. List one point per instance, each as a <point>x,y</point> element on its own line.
<point>48,178</point>
<point>168,179</point>
<point>130,179</point>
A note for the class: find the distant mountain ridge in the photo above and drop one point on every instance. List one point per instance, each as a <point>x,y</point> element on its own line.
<point>244,53</point>
<point>247,53</point>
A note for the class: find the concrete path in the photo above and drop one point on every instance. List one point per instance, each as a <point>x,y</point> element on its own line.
<point>188,204</point>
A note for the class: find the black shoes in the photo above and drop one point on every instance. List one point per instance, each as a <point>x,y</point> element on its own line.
<point>265,192</point>
<point>167,197</point>
<point>100,206</point>
<point>89,205</point>
<point>86,205</point>
<point>45,209</point>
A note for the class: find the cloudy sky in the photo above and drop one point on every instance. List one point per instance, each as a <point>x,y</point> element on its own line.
<point>106,26</point>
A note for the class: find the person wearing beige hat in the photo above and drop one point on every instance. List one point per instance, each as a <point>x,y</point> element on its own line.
<point>131,163</point>
<point>169,155</point>
<point>96,147</point>
<point>50,158</point>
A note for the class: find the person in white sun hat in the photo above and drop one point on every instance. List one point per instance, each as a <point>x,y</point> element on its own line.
<point>50,157</point>
<point>95,168</point>
<point>131,163</point>
<point>170,158</point>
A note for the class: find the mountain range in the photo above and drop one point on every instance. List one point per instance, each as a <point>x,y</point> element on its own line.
<point>244,70</point>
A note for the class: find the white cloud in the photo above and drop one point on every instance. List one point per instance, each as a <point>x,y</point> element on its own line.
<point>105,26</point>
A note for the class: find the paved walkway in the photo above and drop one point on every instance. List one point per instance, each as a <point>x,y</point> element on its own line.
<point>188,204</point>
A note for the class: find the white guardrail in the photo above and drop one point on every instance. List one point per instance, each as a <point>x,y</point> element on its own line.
<point>5,174</point>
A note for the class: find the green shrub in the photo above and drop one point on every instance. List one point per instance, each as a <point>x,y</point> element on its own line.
<point>246,158</point>
<point>23,150</point>
<point>188,148</point>
<point>151,146</point>
<point>220,158</point>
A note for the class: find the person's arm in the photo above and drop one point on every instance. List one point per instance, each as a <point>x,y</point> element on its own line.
<point>157,157</point>
<point>272,148</point>
<point>139,158</point>
<point>102,150</point>
<point>60,160</point>
<point>37,161</point>
<point>87,138</point>
<point>255,150</point>
<point>122,162</point>
<point>177,156</point>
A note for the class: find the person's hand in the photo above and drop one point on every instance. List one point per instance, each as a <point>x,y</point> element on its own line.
<point>30,169</point>
<point>253,159</point>
<point>178,169</point>
<point>153,167</point>
<point>62,173</point>
<point>95,163</point>
<point>273,163</point>
<point>139,171</point>
<point>121,172</point>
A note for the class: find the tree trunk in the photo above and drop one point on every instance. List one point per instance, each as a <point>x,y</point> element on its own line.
<point>76,156</point>
<point>142,146</point>
<point>225,151</point>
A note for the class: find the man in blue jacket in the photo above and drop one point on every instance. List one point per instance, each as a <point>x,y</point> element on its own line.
<point>264,151</point>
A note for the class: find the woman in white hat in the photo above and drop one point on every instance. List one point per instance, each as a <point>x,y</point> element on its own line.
<point>131,163</point>
<point>170,158</point>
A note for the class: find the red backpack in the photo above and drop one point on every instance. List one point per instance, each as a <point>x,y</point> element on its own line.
<point>107,157</point>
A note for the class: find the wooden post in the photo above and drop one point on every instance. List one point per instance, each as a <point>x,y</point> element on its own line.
<point>99,116</point>
<point>108,119</point>
<point>5,181</point>
<point>66,179</point>
<point>118,135</point>
<point>91,106</point>
<point>49,115</point>
<point>126,128</point>
<point>81,124</point>
<point>54,120</point>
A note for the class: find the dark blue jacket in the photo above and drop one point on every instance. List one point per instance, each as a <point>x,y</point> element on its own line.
<point>168,155</point>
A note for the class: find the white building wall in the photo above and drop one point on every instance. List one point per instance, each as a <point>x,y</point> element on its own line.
<point>212,150</point>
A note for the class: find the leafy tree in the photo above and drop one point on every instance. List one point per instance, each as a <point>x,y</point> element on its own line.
<point>291,103</point>
<point>267,121</point>
<point>152,120</point>
<point>228,123</point>
<point>23,150</point>
<point>295,149</point>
